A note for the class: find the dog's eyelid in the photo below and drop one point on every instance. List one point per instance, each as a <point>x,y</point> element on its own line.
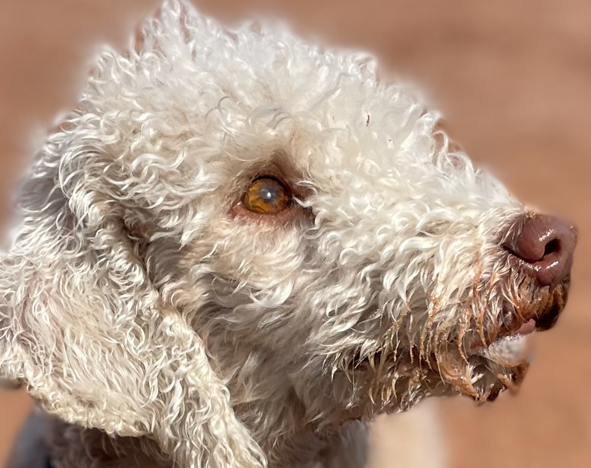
<point>279,180</point>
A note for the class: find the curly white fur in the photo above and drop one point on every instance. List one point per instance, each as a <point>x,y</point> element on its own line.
<point>135,302</point>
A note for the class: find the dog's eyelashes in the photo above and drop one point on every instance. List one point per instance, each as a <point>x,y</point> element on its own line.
<point>266,195</point>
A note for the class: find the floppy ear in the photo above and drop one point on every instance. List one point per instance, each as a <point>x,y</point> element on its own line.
<point>84,329</point>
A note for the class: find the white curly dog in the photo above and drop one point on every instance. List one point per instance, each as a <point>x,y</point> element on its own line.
<point>239,247</point>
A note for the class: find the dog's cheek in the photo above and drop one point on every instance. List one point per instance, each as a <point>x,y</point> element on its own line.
<point>258,256</point>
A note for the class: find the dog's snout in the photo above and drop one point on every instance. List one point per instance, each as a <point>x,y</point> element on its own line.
<point>546,245</point>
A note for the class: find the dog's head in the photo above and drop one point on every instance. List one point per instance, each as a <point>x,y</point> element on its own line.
<point>237,235</point>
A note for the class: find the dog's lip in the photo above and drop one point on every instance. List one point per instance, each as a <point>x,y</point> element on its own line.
<point>536,321</point>
<point>525,328</point>
<point>549,319</point>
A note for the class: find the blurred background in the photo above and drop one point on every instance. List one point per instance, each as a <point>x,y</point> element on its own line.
<point>512,77</point>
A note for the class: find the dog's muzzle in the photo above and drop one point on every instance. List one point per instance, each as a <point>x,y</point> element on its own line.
<point>540,249</point>
<point>543,248</point>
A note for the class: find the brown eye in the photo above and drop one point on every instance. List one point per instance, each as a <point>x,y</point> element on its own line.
<point>266,196</point>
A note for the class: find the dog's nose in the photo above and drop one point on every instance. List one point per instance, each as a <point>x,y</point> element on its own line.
<point>546,245</point>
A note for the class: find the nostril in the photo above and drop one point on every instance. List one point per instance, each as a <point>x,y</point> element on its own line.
<point>545,245</point>
<point>552,247</point>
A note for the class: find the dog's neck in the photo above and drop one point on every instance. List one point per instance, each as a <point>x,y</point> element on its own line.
<point>71,446</point>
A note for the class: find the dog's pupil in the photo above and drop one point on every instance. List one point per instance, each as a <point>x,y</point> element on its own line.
<point>269,193</point>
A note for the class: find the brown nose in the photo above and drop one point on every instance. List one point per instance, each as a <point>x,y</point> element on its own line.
<point>546,245</point>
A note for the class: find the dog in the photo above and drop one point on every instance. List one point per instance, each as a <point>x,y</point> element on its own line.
<point>240,248</point>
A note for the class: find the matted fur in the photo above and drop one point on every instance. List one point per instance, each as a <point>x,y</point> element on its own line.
<point>137,301</point>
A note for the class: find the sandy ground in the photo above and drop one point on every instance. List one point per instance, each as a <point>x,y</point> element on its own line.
<point>513,79</point>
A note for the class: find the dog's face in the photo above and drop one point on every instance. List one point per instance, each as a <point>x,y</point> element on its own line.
<point>311,226</point>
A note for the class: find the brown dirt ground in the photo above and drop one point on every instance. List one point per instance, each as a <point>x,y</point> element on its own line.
<point>512,77</point>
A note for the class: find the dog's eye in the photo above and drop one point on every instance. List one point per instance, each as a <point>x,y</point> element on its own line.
<point>266,195</point>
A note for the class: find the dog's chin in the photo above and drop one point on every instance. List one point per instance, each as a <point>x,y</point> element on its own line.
<point>511,350</point>
<point>496,367</point>
<point>506,360</point>
<point>509,355</point>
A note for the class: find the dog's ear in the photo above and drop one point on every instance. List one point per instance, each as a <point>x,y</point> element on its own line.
<point>83,327</point>
<point>84,330</point>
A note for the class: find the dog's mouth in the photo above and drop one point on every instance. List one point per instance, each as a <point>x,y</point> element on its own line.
<point>486,365</point>
<point>548,320</point>
<point>513,348</point>
<point>511,345</point>
<point>502,363</point>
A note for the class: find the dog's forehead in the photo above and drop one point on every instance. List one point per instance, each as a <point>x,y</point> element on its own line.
<point>222,102</point>
<point>249,88</point>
